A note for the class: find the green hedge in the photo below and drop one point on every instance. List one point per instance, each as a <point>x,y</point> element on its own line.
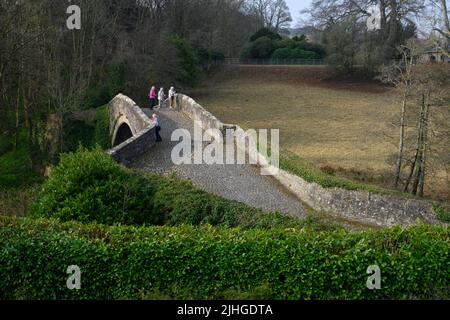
<point>209,263</point>
<point>288,53</point>
<point>89,186</point>
<point>443,211</point>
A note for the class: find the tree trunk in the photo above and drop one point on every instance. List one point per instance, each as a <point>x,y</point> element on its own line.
<point>17,129</point>
<point>418,173</point>
<point>383,16</point>
<point>446,23</point>
<point>91,53</point>
<point>417,155</point>
<point>402,140</point>
<point>425,147</point>
<point>421,148</point>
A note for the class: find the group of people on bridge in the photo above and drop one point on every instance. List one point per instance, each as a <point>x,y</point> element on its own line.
<point>161,97</point>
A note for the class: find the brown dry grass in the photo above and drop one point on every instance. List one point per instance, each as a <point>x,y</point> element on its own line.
<point>341,126</point>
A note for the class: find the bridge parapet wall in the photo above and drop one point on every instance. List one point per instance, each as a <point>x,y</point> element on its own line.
<point>196,112</point>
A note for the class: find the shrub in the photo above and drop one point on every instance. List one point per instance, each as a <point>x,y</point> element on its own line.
<point>318,49</point>
<point>442,211</point>
<point>89,186</point>
<point>208,263</point>
<point>286,53</point>
<point>282,53</point>
<point>262,48</point>
<point>265,32</point>
<point>190,61</point>
<point>266,44</point>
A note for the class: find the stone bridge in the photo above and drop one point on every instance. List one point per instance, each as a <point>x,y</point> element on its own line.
<point>134,144</point>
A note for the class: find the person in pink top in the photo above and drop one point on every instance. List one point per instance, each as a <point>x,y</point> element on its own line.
<point>152,97</point>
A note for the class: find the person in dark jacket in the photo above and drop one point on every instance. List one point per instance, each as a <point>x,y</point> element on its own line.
<point>155,121</point>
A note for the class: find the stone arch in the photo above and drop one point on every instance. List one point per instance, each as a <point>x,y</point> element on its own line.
<point>122,133</point>
<point>131,131</point>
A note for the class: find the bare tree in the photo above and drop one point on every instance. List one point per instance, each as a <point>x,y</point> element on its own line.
<point>273,14</point>
<point>441,25</point>
<point>374,47</point>
<point>431,92</point>
<point>400,75</point>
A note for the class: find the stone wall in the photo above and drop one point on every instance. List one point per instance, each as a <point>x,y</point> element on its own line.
<point>359,206</point>
<point>124,110</point>
<point>193,110</point>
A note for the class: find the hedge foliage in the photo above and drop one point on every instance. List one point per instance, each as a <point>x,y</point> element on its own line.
<point>266,44</point>
<point>215,263</point>
<point>287,53</point>
<point>265,32</point>
<point>190,61</point>
<point>88,186</point>
<point>443,211</point>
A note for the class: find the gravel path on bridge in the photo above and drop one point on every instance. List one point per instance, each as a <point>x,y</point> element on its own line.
<point>242,183</point>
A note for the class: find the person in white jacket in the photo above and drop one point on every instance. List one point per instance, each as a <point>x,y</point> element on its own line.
<point>172,94</point>
<point>161,97</point>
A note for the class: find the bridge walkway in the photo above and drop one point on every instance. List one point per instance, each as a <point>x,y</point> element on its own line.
<point>242,183</point>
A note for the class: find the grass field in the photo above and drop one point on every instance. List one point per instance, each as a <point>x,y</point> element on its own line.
<point>342,127</point>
